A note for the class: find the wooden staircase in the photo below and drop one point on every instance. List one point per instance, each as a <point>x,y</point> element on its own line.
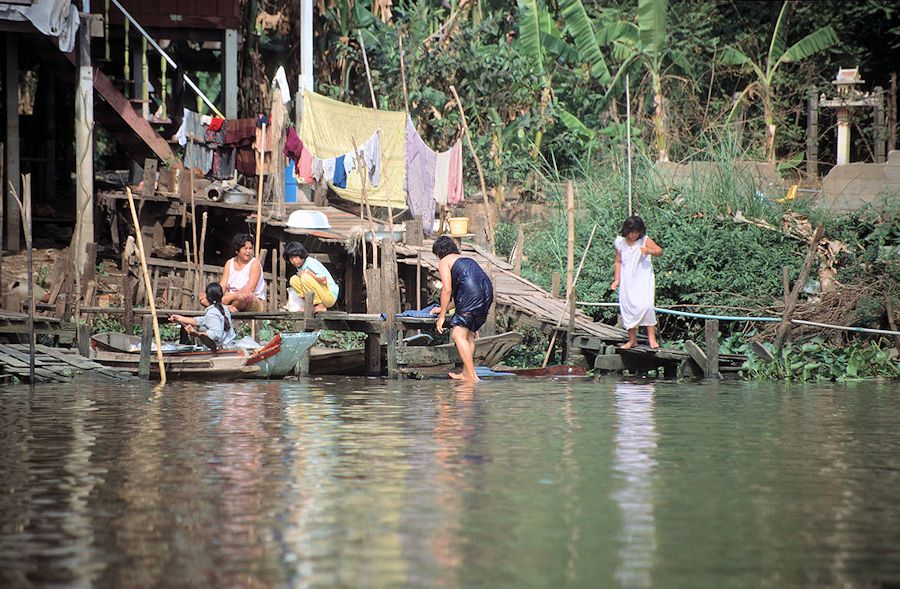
<point>114,111</point>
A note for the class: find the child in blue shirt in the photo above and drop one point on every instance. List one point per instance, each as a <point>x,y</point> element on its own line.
<point>312,276</point>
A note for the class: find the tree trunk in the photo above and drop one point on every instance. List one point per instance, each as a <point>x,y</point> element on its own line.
<point>659,119</point>
<point>769,116</point>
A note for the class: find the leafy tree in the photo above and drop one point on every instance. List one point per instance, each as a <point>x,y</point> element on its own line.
<point>778,54</point>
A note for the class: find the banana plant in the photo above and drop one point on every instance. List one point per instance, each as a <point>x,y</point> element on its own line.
<point>538,37</point>
<point>778,55</point>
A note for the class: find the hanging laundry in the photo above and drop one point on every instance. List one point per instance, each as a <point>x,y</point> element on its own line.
<point>372,154</point>
<point>455,175</point>
<point>340,174</point>
<point>223,163</point>
<point>442,177</point>
<point>215,124</point>
<point>197,156</point>
<point>292,145</point>
<point>240,132</point>
<point>303,168</point>
<point>328,128</point>
<point>328,167</point>
<point>349,162</point>
<point>420,168</point>
<point>318,170</point>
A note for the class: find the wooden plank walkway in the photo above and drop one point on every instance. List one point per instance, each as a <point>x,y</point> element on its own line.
<point>52,365</point>
<point>521,300</point>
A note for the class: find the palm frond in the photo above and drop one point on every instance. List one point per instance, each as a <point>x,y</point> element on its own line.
<point>779,36</point>
<point>652,24</point>
<point>529,39</point>
<point>581,28</point>
<point>813,43</point>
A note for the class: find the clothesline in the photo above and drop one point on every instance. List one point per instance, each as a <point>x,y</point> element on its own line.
<point>752,319</point>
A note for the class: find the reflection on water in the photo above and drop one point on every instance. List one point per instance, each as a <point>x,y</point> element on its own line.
<point>355,482</point>
<point>634,460</point>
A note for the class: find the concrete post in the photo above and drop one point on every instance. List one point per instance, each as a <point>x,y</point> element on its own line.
<point>229,79</point>
<point>306,45</point>
<point>843,136</point>
<point>812,137</point>
<point>880,132</point>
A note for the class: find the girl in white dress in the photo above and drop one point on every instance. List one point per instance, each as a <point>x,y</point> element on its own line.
<point>635,280</point>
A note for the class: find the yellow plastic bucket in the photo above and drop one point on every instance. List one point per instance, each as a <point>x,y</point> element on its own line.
<point>458,225</point>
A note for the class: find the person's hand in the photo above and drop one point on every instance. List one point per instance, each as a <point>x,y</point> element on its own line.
<point>173,317</point>
<point>204,301</point>
<point>645,251</point>
<point>440,323</point>
<point>189,328</point>
<point>614,285</point>
<point>435,310</point>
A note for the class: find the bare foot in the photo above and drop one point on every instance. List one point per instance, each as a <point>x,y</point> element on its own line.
<point>654,345</point>
<point>232,308</point>
<point>456,375</point>
<point>628,345</point>
<point>320,308</point>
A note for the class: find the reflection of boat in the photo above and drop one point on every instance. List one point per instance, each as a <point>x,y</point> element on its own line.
<point>559,370</point>
<point>274,359</point>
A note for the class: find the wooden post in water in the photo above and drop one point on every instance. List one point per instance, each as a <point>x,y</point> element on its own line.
<point>570,266</point>
<point>711,329</point>
<point>146,346</point>
<point>390,301</point>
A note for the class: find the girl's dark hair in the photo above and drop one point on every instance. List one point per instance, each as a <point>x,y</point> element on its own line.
<point>295,249</point>
<point>214,295</point>
<point>444,246</point>
<point>238,241</point>
<point>633,223</point>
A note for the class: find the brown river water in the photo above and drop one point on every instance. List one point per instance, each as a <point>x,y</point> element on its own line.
<point>372,483</point>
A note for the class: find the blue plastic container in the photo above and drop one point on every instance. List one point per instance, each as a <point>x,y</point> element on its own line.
<point>290,183</point>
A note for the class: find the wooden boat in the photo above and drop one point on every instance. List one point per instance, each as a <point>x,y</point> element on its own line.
<point>434,360</point>
<point>412,359</point>
<point>275,359</point>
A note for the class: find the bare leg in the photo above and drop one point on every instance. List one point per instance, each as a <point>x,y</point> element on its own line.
<point>651,335</point>
<point>632,339</point>
<point>466,351</point>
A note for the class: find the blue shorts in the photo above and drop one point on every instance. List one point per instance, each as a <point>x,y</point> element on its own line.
<point>468,320</point>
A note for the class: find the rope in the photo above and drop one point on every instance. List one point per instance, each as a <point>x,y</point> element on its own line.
<point>760,319</point>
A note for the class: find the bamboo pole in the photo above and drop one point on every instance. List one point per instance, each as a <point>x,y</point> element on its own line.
<point>574,283</point>
<point>487,212</point>
<point>194,236</point>
<point>151,298</point>
<point>201,261</point>
<point>365,195</point>
<point>403,75</point>
<point>628,137</point>
<point>259,190</point>
<point>570,264</point>
<point>26,223</point>
<point>386,180</point>
<point>368,73</point>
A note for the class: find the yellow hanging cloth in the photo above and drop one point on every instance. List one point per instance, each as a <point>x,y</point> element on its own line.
<point>326,129</point>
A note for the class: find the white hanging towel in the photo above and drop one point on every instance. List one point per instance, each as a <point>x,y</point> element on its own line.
<point>442,177</point>
<point>349,162</point>
<point>637,284</point>
<point>372,154</point>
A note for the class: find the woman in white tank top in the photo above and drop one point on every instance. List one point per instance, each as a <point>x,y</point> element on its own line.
<point>242,280</point>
